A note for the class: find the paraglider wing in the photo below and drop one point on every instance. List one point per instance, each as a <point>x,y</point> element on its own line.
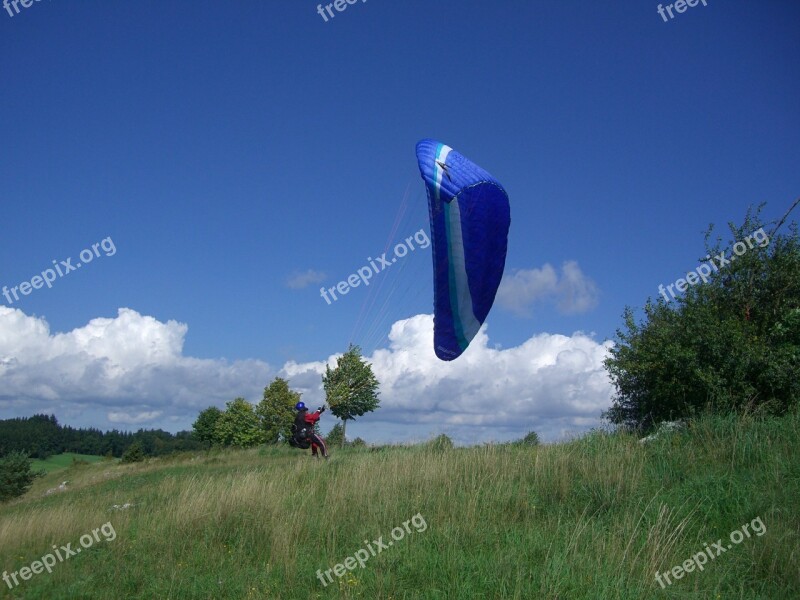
<point>470,217</point>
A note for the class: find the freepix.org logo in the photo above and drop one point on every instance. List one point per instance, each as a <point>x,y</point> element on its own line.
<point>703,271</point>
<point>48,561</point>
<point>361,556</point>
<point>680,7</point>
<point>339,5</point>
<point>8,4</point>
<point>710,553</point>
<point>365,273</point>
<point>64,267</point>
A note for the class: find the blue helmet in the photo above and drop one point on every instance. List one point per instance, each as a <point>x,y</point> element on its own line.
<point>300,406</point>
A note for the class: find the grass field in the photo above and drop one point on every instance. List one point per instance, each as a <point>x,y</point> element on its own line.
<point>62,461</point>
<point>595,518</point>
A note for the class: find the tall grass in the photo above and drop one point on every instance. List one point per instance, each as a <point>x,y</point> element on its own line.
<point>593,518</point>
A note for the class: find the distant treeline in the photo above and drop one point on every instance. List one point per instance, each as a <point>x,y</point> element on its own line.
<point>42,436</point>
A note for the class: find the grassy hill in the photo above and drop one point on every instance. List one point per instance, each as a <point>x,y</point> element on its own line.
<point>593,518</point>
<point>62,461</point>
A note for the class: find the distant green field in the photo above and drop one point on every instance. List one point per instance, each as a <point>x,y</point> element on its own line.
<point>62,461</point>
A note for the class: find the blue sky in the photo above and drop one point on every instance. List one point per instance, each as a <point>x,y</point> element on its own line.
<point>228,149</point>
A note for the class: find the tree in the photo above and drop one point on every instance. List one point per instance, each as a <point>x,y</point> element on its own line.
<point>731,341</point>
<point>134,453</point>
<point>16,476</point>
<point>351,388</point>
<point>276,411</point>
<point>238,425</point>
<point>531,439</point>
<point>440,443</point>
<point>335,435</point>
<point>205,425</point>
<point>40,436</point>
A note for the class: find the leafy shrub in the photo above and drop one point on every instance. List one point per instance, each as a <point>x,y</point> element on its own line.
<point>239,426</point>
<point>16,476</point>
<point>531,439</point>
<point>334,437</point>
<point>440,443</point>
<point>134,453</point>
<point>730,342</point>
<point>204,427</point>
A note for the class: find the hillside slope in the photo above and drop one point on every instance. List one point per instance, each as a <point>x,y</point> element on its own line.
<point>594,518</point>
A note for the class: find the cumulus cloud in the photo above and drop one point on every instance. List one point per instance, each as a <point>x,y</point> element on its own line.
<point>572,293</point>
<point>553,384</point>
<point>131,419</point>
<point>131,370</point>
<point>298,281</point>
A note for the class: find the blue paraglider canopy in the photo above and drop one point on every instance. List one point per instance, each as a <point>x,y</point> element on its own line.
<point>470,217</point>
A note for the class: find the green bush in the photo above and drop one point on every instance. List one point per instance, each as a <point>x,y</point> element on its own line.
<point>16,476</point>
<point>204,427</point>
<point>134,453</point>
<point>334,437</point>
<point>531,439</point>
<point>440,443</point>
<point>239,426</point>
<point>731,343</point>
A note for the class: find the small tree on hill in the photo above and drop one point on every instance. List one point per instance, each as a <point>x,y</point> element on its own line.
<point>205,425</point>
<point>531,439</point>
<point>335,435</point>
<point>440,443</point>
<point>276,411</point>
<point>351,388</point>
<point>239,426</point>
<point>134,453</point>
<point>16,476</point>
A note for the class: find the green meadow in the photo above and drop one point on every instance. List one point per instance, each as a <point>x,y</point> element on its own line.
<point>63,461</point>
<point>593,518</point>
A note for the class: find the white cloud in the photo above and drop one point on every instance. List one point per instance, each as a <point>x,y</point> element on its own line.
<point>298,281</point>
<point>553,384</point>
<point>572,293</point>
<point>132,419</point>
<point>131,370</point>
<point>127,368</point>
